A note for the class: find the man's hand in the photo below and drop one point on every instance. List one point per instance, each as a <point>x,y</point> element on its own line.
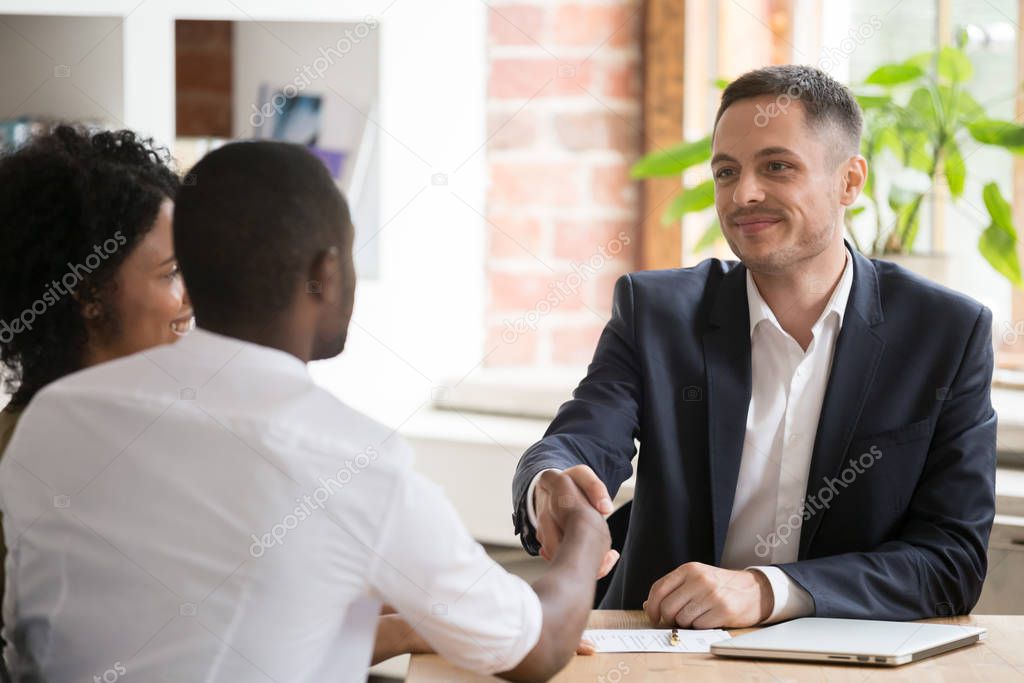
<point>697,595</point>
<point>549,528</point>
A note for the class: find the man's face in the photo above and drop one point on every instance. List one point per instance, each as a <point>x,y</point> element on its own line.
<point>777,186</point>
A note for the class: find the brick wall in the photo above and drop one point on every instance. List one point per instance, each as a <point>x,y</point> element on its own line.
<point>564,122</point>
<point>203,77</point>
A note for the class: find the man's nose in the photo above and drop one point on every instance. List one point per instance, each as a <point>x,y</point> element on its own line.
<point>747,190</point>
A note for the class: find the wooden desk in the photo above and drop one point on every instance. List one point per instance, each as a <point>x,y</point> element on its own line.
<point>999,658</point>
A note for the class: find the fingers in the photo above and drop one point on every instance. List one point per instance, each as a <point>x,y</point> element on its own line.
<point>661,589</point>
<point>697,595</point>
<point>592,487</point>
<point>549,535</point>
<point>585,648</point>
<point>691,607</point>
<point>610,558</point>
<point>713,618</point>
<point>559,500</point>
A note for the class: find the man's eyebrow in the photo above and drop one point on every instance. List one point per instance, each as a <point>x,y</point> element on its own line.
<point>766,152</point>
<point>772,151</point>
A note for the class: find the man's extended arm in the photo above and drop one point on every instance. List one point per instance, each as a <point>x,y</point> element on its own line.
<point>597,427</point>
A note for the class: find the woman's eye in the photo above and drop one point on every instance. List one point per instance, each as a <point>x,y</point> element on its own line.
<point>175,272</point>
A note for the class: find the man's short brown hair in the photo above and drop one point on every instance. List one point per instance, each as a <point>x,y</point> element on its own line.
<point>827,103</point>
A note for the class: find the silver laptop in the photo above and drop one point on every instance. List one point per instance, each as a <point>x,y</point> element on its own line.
<point>849,641</point>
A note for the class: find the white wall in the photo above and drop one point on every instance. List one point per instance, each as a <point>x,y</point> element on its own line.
<point>61,67</point>
<point>339,62</point>
<point>277,53</point>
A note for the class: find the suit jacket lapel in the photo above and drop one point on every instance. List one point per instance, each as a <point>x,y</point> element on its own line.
<point>727,363</point>
<point>856,357</point>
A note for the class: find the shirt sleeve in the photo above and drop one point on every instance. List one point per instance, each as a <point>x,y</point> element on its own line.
<point>426,565</point>
<point>791,601</point>
<point>531,509</point>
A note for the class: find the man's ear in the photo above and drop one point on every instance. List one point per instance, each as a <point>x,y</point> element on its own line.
<point>855,174</point>
<point>324,274</point>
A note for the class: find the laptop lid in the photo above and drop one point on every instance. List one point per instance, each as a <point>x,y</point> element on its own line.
<point>850,640</point>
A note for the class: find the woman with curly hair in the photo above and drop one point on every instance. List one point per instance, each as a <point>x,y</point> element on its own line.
<point>87,270</point>
<point>87,267</point>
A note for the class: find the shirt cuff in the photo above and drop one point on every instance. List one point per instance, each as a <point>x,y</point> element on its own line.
<point>791,601</point>
<point>531,511</point>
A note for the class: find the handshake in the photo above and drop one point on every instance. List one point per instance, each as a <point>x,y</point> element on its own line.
<point>693,595</point>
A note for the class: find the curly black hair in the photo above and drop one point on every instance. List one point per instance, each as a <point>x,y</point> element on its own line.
<point>73,205</point>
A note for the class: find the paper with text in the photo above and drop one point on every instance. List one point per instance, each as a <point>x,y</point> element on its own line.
<point>653,640</point>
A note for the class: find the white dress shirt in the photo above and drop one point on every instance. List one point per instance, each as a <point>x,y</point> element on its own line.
<point>787,388</point>
<point>204,512</point>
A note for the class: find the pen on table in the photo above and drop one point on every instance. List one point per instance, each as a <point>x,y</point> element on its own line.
<point>673,638</point>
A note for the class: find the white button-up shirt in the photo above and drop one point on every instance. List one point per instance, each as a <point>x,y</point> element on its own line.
<point>204,512</point>
<point>787,388</point>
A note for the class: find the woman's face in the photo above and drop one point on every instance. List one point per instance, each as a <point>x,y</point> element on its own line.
<point>149,302</point>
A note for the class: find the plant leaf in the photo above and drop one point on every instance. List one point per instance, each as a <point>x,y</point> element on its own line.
<point>1000,250</point>
<point>722,83</point>
<point>688,200</point>
<point>922,106</point>
<point>998,243</point>
<point>922,60</point>
<point>894,74</point>
<point>955,169</point>
<point>999,209</point>
<point>995,132</point>
<point>674,160</point>
<point>873,101</point>
<point>710,236</point>
<point>917,151</point>
<point>889,138</point>
<point>954,66</point>
<point>968,107</point>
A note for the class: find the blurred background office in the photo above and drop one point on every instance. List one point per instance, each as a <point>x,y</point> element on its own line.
<point>507,160</point>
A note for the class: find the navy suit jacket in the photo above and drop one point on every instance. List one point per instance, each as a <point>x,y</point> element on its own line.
<point>911,380</point>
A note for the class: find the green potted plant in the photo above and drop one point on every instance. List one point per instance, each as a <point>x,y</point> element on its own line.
<point>918,115</point>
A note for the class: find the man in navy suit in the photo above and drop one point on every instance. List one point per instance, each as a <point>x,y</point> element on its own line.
<point>816,430</point>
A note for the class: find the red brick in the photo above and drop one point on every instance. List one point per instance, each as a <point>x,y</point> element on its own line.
<point>543,77</point>
<point>621,81</point>
<point>512,130</point>
<point>507,347</point>
<point>613,187</point>
<point>541,293</point>
<point>202,115</point>
<point>516,25</point>
<point>203,36</point>
<point>513,236</point>
<point>597,25</point>
<point>520,78</point>
<point>575,345</point>
<point>598,130</point>
<point>203,73</point>
<point>582,239</point>
<point>540,185</point>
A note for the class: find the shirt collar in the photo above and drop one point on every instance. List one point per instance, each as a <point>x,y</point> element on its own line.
<point>759,309</point>
<point>211,347</point>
